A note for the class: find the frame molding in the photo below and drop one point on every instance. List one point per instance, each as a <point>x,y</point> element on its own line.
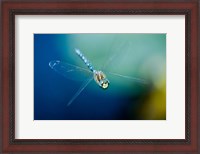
<point>10,9</point>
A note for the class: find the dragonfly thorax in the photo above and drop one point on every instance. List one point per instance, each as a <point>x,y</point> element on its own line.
<point>101,79</point>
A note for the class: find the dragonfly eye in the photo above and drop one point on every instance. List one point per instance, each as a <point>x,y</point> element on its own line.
<point>104,83</point>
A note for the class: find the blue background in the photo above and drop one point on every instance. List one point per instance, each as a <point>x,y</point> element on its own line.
<point>137,55</point>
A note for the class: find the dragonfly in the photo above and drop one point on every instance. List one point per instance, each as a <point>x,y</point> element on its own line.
<point>74,72</point>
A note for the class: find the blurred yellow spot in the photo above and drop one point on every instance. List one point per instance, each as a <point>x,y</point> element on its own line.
<point>154,106</point>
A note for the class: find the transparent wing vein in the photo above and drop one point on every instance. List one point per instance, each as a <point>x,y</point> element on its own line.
<point>83,86</point>
<point>134,79</point>
<point>70,71</point>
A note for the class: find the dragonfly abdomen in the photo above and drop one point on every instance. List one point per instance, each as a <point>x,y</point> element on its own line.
<point>85,60</point>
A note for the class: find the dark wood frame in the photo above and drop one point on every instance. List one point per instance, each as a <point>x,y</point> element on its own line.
<point>10,8</point>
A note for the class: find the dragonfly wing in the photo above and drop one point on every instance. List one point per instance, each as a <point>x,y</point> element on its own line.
<point>83,86</point>
<point>70,71</point>
<point>108,61</point>
<point>134,79</point>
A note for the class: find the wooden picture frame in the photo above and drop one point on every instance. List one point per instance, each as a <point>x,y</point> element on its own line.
<point>188,8</point>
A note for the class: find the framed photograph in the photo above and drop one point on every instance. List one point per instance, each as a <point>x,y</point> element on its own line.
<point>100,76</point>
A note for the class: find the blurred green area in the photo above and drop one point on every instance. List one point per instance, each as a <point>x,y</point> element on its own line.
<point>137,55</point>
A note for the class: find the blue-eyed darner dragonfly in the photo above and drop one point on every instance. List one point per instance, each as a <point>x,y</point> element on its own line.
<point>74,72</point>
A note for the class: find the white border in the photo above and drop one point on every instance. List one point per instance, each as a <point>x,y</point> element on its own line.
<point>172,128</point>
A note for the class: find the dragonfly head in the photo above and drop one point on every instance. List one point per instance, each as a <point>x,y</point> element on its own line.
<point>101,79</point>
<point>104,83</point>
